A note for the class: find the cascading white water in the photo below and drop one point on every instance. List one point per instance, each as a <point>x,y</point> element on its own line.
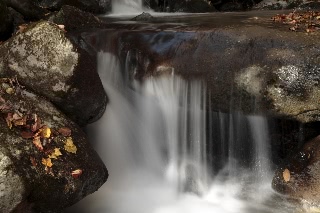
<point>154,141</point>
<point>127,6</point>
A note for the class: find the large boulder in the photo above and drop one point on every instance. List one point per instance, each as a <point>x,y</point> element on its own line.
<point>290,4</point>
<point>46,162</point>
<point>190,6</point>
<point>248,63</point>
<point>84,20</point>
<point>299,177</point>
<point>5,22</point>
<point>92,6</point>
<point>30,9</point>
<point>50,64</point>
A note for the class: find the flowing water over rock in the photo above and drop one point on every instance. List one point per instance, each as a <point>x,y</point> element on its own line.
<point>167,153</point>
<point>127,6</point>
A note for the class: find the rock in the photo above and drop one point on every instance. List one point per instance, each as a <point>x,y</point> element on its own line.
<point>47,62</point>
<point>143,17</point>
<point>92,6</point>
<point>291,4</point>
<point>191,6</point>
<point>30,9</point>
<point>248,63</point>
<point>299,178</point>
<point>84,19</point>
<point>17,19</point>
<point>5,22</point>
<point>43,168</point>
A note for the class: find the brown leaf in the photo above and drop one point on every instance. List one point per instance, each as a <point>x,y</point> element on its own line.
<point>20,122</point>
<point>76,173</point>
<point>22,28</point>
<point>36,141</point>
<point>286,175</point>
<point>33,161</point>
<point>9,120</point>
<point>27,135</point>
<point>65,131</point>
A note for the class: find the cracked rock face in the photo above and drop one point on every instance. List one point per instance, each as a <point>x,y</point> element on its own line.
<point>50,64</point>
<point>42,171</point>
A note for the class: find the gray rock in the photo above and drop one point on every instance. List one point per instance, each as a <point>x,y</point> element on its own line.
<point>26,180</point>
<point>143,17</point>
<point>49,63</point>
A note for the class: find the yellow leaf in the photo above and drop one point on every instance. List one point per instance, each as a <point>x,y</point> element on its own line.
<point>10,90</point>
<point>69,146</point>
<point>46,132</point>
<point>286,175</point>
<point>55,154</point>
<point>47,162</point>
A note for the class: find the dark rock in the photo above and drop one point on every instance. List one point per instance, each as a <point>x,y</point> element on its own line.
<point>192,6</point>
<point>231,6</point>
<point>30,9</point>
<point>49,63</point>
<point>28,182</point>
<point>299,178</point>
<point>66,16</point>
<point>17,19</point>
<point>6,28</point>
<point>292,4</point>
<point>143,17</point>
<point>92,6</point>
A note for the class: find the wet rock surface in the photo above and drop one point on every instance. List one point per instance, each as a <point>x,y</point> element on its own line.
<point>247,61</point>
<point>46,163</point>
<point>50,64</point>
<point>299,177</point>
<point>30,9</point>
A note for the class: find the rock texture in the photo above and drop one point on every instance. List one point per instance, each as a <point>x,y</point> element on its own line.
<point>92,6</point>
<point>30,9</point>
<point>50,64</point>
<point>46,163</point>
<point>291,4</point>
<point>299,178</point>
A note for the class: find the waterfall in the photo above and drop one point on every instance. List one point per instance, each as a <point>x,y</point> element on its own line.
<point>127,6</point>
<point>167,152</point>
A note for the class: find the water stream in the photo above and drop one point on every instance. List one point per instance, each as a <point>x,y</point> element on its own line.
<point>167,153</point>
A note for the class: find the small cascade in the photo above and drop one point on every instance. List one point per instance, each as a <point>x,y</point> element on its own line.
<point>127,6</point>
<point>166,152</point>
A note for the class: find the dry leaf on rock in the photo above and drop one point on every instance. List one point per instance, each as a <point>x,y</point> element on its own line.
<point>65,131</point>
<point>69,146</point>
<point>37,143</point>
<point>286,175</point>
<point>46,132</point>
<point>47,162</point>
<point>27,135</point>
<point>76,173</point>
<point>55,154</point>
<point>33,161</point>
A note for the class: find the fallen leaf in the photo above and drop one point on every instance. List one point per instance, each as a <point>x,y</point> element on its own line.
<point>55,154</point>
<point>20,122</point>
<point>9,119</point>
<point>33,161</point>
<point>36,141</point>
<point>10,91</point>
<point>47,162</point>
<point>69,146</point>
<point>22,28</point>
<point>46,132</point>
<point>27,135</point>
<point>65,131</point>
<point>286,175</point>
<point>76,173</point>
